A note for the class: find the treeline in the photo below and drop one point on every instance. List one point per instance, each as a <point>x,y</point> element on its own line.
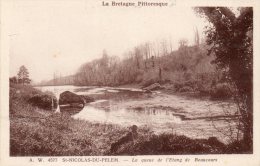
<point>188,68</point>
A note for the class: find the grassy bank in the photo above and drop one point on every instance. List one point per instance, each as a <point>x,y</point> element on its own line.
<point>36,131</point>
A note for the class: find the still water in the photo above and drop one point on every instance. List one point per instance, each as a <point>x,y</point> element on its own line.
<point>158,111</point>
<point>108,110</point>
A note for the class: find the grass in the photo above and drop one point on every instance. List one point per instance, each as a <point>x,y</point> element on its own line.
<point>37,132</point>
<point>59,135</point>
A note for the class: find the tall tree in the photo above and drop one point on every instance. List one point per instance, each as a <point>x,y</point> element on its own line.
<point>23,75</point>
<point>196,37</point>
<point>183,43</point>
<point>231,42</point>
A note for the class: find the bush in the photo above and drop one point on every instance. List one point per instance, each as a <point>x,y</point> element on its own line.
<point>44,101</point>
<point>149,82</point>
<point>29,95</point>
<point>237,146</point>
<point>185,86</point>
<point>171,144</point>
<point>221,91</point>
<point>186,89</point>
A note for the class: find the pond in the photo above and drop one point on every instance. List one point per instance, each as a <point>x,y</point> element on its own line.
<point>158,111</point>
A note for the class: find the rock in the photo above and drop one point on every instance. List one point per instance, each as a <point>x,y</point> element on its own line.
<point>87,99</point>
<point>155,86</point>
<point>72,103</point>
<point>129,137</point>
<point>69,98</point>
<point>44,101</point>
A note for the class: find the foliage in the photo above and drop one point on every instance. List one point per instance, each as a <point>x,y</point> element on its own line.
<point>221,91</point>
<point>26,95</point>
<point>23,75</point>
<point>13,80</point>
<point>231,43</point>
<point>169,144</point>
<point>145,66</point>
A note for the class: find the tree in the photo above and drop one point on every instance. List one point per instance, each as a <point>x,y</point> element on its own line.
<point>196,37</point>
<point>183,43</point>
<point>23,75</point>
<point>13,80</point>
<point>231,43</point>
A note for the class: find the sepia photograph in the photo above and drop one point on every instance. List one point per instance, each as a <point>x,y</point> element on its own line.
<point>129,78</point>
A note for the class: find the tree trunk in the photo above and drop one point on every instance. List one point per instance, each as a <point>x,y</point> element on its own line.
<point>160,74</point>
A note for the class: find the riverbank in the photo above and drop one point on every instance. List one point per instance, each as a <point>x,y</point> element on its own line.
<point>36,131</point>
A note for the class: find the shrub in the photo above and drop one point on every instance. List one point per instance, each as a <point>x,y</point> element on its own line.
<point>221,91</point>
<point>44,101</point>
<point>149,82</point>
<point>186,89</point>
<point>237,147</point>
<point>164,144</point>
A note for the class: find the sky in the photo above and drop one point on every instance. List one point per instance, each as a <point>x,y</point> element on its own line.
<point>59,36</point>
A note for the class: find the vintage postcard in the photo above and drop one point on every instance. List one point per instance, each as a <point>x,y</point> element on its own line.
<point>130,82</point>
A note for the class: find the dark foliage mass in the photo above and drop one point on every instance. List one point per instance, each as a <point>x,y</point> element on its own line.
<point>230,38</point>
<point>168,144</point>
<point>44,101</point>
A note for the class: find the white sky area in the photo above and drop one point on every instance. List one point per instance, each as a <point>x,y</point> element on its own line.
<point>59,36</point>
